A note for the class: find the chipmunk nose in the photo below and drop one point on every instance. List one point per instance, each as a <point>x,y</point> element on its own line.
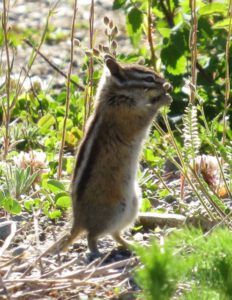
<point>168,87</point>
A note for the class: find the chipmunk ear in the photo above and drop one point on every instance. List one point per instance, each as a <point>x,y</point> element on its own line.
<point>112,65</point>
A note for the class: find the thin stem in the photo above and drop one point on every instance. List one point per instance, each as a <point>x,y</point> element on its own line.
<point>55,67</point>
<point>91,32</point>
<point>59,171</point>
<point>149,35</point>
<point>8,72</point>
<point>193,49</point>
<point>227,91</point>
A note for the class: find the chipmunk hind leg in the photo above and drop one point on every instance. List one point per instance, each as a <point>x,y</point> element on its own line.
<point>69,238</point>
<point>119,239</point>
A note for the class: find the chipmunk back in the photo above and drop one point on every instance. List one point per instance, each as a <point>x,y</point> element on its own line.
<point>105,192</point>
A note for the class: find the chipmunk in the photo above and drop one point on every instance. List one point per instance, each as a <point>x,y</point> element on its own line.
<point>105,192</point>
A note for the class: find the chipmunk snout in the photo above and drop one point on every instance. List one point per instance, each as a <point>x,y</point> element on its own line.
<point>168,87</point>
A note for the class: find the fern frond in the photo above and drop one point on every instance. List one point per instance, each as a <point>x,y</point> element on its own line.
<point>190,132</point>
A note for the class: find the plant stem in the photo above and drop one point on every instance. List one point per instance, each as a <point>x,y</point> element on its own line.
<point>89,86</point>
<point>59,171</point>
<point>149,35</point>
<point>55,67</point>
<point>7,80</point>
<point>193,49</point>
<point>227,80</point>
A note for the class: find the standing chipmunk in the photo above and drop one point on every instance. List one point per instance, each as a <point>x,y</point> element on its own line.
<point>105,192</point>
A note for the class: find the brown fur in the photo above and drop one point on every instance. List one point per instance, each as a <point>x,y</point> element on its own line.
<point>105,196</point>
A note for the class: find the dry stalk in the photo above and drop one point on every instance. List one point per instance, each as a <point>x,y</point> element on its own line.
<point>6,110</point>
<point>33,56</point>
<point>227,80</point>
<point>149,35</point>
<point>51,64</point>
<point>89,86</point>
<point>60,161</point>
<point>193,49</point>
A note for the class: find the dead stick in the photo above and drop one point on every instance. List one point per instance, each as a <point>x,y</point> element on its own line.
<point>53,65</point>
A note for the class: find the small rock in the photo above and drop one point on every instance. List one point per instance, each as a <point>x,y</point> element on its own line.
<point>19,250</point>
<point>170,199</point>
<point>6,228</point>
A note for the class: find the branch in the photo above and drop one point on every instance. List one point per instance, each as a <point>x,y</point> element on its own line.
<point>59,171</point>
<point>51,64</point>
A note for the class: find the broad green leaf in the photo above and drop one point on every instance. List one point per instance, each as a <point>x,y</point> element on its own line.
<point>46,122</point>
<point>134,23</point>
<point>213,8</point>
<point>55,214</point>
<point>55,186</point>
<point>1,197</point>
<point>224,24</point>
<point>63,202</point>
<point>61,194</point>
<point>12,205</point>
<point>135,19</point>
<point>149,155</point>
<point>180,66</point>
<point>173,54</point>
<point>118,4</point>
<point>146,205</point>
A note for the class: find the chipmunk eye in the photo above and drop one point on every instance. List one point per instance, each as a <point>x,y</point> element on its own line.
<point>149,79</point>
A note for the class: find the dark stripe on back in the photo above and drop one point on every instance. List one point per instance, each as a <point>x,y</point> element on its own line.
<point>83,146</point>
<point>83,180</point>
<point>117,100</point>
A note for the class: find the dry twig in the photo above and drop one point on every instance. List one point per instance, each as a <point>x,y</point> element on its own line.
<point>60,161</point>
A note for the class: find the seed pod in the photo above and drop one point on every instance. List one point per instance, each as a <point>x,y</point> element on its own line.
<point>106,49</point>
<point>88,53</point>
<point>77,42</point>
<point>111,24</point>
<point>107,33</point>
<point>96,52</point>
<point>114,31</point>
<point>106,20</point>
<point>114,45</point>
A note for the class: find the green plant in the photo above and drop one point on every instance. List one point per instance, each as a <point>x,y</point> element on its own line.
<point>189,259</point>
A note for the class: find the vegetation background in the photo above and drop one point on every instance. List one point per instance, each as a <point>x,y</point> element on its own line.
<point>50,65</point>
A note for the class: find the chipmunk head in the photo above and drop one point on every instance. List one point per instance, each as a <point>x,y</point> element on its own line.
<point>133,85</point>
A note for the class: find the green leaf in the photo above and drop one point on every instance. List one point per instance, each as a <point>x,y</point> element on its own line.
<point>118,4</point>
<point>146,205</point>
<point>63,202</point>
<point>224,24</point>
<point>1,197</point>
<point>173,54</point>
<point>149,155</point>
<point>213,8</point>
<point>180,66</point>
<point>55,214</point>
<point>135,19</point>
<point>55,186</point>
<point>12,205</point>
<point>46,122</point>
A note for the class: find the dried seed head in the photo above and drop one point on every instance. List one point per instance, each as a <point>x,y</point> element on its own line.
<point>111,24</point>
<point>77,42</point>
<point>106,49</point>
<point>100,47</point>
<point>106,20</point>
<point>114,31</point>
<point>88,53</point>
<point>96,52</point>
<point>107,33</point>
<point>114,45</point>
